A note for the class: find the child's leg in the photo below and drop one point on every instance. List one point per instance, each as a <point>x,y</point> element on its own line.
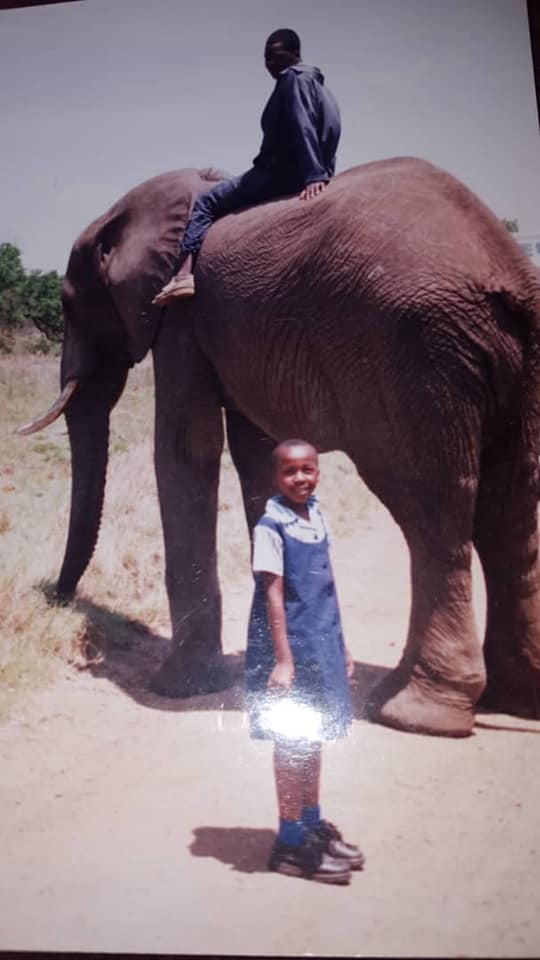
<point>226,196</point>
<point>298,852</point>
<point>254,186</point>
<point>311,777</point>
<point>297,774</point>
<point>288,777</point>
<point>311,812</point>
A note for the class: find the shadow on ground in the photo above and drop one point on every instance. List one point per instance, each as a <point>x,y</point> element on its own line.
<point>124,652</point>
<point>241,848</point>
<point>481,725</point>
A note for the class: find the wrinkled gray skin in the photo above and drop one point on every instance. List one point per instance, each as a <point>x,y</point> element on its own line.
<point>393,318</point>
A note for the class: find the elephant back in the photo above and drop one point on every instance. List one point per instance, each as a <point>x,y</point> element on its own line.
<point>405,234</point>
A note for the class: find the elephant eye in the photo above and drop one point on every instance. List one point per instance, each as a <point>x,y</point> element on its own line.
<point>104,248</point>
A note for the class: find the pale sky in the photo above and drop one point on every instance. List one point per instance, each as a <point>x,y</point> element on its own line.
<point>100,94</point>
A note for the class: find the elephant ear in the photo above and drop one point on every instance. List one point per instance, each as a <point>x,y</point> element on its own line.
<point>136,249</point>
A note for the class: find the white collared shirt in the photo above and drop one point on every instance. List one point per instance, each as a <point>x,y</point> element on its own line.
<point>268,545</point>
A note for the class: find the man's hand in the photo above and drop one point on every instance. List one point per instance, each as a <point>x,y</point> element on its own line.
<point>282,677</point>
<point>349,663</point>
<point>313,190</point>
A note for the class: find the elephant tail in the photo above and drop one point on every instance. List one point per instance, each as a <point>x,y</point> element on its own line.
<point>523,305</point>
<point>521,296</point>
<point>529,309</point>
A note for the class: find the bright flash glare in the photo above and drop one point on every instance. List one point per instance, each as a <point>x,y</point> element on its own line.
<point>288,718</point>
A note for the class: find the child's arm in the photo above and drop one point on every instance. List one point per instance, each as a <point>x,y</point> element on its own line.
<point>349,663</point>
<point>282,675</point>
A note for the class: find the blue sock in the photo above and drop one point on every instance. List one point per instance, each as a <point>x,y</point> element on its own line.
<point>291,832</point>
<point>311,817</point>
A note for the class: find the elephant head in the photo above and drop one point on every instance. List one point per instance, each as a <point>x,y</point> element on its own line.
<point>115,268</point>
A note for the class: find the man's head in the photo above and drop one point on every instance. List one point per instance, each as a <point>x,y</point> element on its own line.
<point>281,50</point>
<point>296,470</point>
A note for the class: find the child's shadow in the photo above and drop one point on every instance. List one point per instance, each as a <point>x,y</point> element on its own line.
<point>242,848</point>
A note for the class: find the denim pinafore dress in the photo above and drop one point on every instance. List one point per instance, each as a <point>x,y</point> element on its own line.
<point>315,637</point>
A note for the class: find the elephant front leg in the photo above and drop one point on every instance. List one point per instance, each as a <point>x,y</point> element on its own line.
<point>188,445</point>
<point>506,537</point>
<point>441,675</point>
<point>195,664</point>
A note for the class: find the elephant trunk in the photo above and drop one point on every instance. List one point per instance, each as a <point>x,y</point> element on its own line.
<point>87,416</point>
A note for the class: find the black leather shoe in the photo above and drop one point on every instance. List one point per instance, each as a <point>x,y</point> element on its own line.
<point>310,861</point>
<point>334,845</point>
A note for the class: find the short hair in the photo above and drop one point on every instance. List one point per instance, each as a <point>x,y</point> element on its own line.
<point>286,445</point>
<point>288,38</point>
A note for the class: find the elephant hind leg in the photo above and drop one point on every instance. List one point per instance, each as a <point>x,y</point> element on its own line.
<point>251,451</point>
<point>431,492</point>
<point>506,537</point>
<point>441,674</point>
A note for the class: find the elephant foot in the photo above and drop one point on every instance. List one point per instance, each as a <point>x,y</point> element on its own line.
<point>515,691</point>
<point>418,709</point>
<point>180,676</point>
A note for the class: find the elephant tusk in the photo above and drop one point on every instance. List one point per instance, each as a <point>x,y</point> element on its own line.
<point>52,413</point>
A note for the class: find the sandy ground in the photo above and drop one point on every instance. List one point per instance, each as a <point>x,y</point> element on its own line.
<point>134,823</point>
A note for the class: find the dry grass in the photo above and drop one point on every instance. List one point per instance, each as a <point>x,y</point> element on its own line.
<point>123,588</point>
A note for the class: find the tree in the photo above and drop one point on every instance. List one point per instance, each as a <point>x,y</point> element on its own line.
<point>33,297</point>
<point>12,279</point>
<point>43,303</point>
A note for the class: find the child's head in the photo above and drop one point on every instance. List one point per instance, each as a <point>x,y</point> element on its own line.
<point>296,470</point>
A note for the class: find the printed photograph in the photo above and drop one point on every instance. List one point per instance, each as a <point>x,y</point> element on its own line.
<point>269,478</point>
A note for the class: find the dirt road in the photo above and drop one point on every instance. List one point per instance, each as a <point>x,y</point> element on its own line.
<point>133,823</point>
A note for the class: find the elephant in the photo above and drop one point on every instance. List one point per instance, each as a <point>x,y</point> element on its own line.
<point>393,318</point>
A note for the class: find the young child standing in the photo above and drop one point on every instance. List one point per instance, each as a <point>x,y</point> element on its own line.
<point>297,666</point>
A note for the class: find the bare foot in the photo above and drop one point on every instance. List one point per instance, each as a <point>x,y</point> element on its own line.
<point>183,286</point>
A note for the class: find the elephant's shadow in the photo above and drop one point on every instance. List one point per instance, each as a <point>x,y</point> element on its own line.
<point>125,652</point>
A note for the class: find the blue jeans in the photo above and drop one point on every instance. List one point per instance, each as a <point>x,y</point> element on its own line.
<point>254,186</point>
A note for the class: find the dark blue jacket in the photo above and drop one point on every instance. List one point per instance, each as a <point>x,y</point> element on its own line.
<point>301,128</point>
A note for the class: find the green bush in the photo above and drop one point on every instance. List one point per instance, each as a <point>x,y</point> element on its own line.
<point>29,297</point>
<point>43,303</point>
<point>12,279</point>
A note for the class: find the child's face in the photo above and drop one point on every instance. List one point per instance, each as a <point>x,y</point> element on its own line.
<point>297,474</point>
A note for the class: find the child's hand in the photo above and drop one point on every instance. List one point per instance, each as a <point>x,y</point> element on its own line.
<point>282,677</point>
<point>349,663</point>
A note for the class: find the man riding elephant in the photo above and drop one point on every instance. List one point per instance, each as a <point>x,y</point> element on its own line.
<point>301,130</point>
